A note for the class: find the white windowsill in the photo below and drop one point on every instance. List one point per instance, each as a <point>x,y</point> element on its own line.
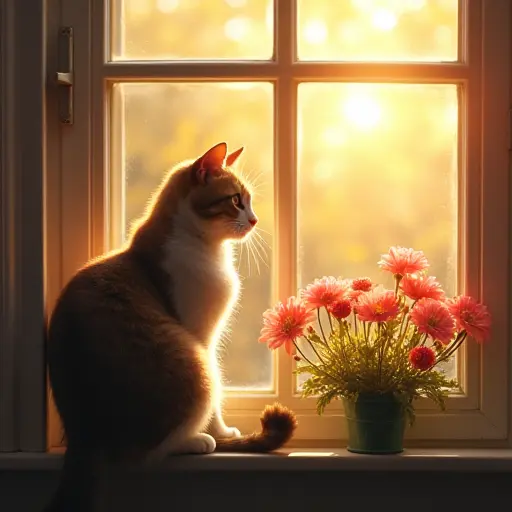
<point>476,460</point>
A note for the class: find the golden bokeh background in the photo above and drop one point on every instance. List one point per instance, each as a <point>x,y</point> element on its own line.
<point>377,163</point>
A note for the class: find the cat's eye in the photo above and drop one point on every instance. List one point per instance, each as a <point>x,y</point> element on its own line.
<point>237,201</point>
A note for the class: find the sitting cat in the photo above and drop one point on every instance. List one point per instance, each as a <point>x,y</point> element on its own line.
<point>132,339</point>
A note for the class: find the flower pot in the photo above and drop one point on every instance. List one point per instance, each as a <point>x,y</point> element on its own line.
<point>376,424</point>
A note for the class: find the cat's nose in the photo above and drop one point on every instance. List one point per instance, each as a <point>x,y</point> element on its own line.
<point>253,221</point>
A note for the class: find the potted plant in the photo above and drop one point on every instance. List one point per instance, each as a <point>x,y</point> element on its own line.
<point>374,348</point>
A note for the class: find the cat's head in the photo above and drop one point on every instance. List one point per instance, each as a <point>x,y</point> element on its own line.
<point>219,204</point>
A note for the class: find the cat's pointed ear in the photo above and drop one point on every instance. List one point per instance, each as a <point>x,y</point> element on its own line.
<point>233,157</point>
<point>211,161</point>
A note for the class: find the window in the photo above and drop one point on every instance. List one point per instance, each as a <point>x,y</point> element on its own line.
<point>369,123</point>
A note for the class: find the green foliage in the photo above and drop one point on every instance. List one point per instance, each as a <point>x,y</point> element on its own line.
<point>376,359</point>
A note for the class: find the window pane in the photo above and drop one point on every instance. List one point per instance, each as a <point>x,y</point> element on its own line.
<point>191,29</point>
<point>165,123</point>
<point>377,167</point>
<point>378,30</point>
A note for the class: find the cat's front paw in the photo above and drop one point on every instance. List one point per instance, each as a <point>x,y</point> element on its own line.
<point>229,432</point>
<point>202,443</point>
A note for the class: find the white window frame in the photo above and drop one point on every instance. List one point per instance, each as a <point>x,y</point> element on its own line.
<point>77,199</point>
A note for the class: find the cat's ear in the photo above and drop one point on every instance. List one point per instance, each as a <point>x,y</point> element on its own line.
<point>210,162</point>
<point>233,157</point>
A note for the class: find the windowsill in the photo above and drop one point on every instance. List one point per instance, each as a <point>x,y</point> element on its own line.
<point>464,460</point>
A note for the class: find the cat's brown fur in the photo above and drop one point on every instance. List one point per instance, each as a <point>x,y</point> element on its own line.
<point>132,339</point>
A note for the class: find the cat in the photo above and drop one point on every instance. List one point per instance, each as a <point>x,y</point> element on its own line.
<point>131,343</point>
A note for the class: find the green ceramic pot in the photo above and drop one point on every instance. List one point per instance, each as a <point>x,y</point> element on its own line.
<point>376,424</point>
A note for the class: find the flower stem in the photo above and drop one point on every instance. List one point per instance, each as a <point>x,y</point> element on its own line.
<point>381,350</point>
<point>349,336</point>
<point>329,317</point>
<point>398,278</point>
<point>325,342</point>
<point>311,363</point>
<point>451,350</point>
<point>320,325</point>
<point>315,350</point>
<point>355,323</point>
<point>402,335</point>
<point>401,325</point>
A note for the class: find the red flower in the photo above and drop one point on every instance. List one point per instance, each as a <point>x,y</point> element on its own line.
<point>422,358</point>
<point>284,323</point>
<point>377,306</point>
<point>432,317</point>
<point>401,261</point>
<point>363,284</point>
<point>471,316</point>
<point>420,287</point>
<point>323,292</point>
<point>340,309</point>
<point>354,295</point>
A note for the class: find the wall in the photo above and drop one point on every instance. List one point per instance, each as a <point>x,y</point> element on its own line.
<point>26,491</point>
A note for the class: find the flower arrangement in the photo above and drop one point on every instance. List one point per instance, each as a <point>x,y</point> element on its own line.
<point>378,340</point>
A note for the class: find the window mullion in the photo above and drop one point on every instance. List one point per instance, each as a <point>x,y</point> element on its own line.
<point>285,175</point>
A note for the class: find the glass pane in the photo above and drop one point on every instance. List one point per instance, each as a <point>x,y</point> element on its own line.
<point>192,29</point>
<point>164,123</point>
<point>377,167</point>
<point>378,30</point>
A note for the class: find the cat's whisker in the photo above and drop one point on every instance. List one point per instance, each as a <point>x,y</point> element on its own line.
<point>253,179</point>
<point>257,244</point>
<point>259,249</point>
<point>263,243</point>
<point>263,258</point>
<point>260,229</point>
<point>255,258</point>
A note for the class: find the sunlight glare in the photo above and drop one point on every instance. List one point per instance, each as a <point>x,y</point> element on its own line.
<point>443,35</point>
<point>452,118</point>
<point>315,32</point>
<point>415,5</point>
<point>362,110</point>
<point>363,5</point>
<point>384,19</point>
<point>350,33</point>
<point>269,17</point>
<point>236,3</point>
<point>167,6</point>
<point>236,28</point>
<point>333,136</point>
<point>138,7</point>
<point>323,171</point>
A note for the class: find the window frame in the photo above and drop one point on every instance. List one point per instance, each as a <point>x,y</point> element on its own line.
<point>27,130</point>
<point>76,206</point>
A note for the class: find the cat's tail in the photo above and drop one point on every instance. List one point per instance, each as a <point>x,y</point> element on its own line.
<point>79,482</point>
<point>278,424</point>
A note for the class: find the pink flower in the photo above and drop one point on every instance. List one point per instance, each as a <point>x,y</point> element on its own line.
<point>340,309</point>
<point>432,317</point>
<point>323,292</point>
<point>422,358</point>
<point>421,286</point>
<point>363,284</point>
<point>354,295</point>
<point>471,316</point>
<point>402,261</point>
<point>377,306</point>
<point>284,323</point>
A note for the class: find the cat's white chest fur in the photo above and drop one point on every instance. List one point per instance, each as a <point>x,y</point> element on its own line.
<point>204,285</point>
